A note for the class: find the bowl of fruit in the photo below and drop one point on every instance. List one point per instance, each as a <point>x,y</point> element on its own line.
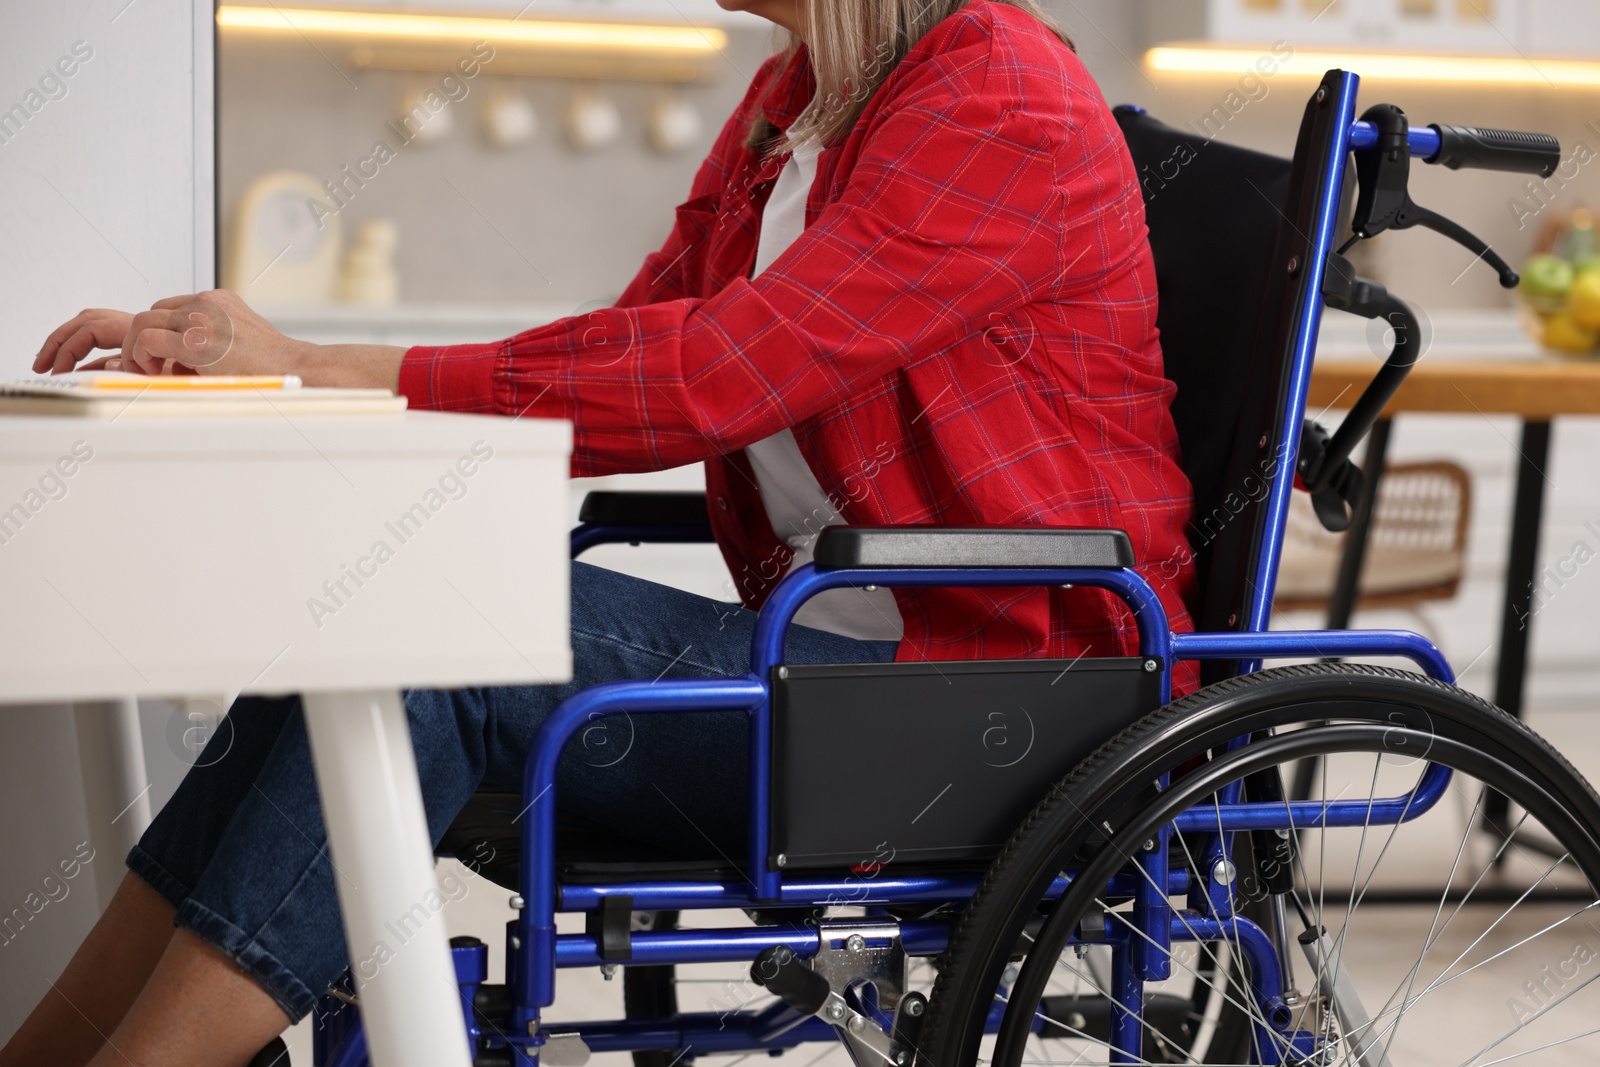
<point>1560,287</point>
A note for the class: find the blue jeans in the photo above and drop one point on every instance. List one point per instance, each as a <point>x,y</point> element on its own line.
<point>240,850</point>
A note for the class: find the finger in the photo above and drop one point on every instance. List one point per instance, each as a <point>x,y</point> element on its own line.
<point>171,302</point>
<point>104,319</point>
<point>46,353</point>
<point>98,333</point>
<point>154,321</point>
<point>151,349</point>
<point>103,363</point>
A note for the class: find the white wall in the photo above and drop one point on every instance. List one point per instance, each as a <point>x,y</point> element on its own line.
<point>106,176</point>
<point>107,185</point>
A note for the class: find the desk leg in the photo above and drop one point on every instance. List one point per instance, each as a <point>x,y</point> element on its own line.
<point>116,787</point>
<point>1516,617</point>
<point>383,864</point>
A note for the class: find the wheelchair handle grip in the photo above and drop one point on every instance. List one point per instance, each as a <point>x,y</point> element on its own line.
<point>785,976</point>
<point>1505,150</point>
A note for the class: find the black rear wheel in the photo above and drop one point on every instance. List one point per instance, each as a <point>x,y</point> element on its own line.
<point>1512,904</point>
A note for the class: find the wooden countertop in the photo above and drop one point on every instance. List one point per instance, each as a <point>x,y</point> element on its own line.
<point>1535,388</point>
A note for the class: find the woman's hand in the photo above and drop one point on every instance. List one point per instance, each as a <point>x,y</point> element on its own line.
<point>213,332</point>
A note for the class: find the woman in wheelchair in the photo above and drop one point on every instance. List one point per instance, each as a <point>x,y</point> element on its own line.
<point>911,285</point>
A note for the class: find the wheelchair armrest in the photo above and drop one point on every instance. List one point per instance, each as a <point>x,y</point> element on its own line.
<point>845,547</point>
<point>616,508</point>
<point>613,517</point>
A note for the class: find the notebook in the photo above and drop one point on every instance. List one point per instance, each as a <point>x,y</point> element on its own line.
<point>110,395</point>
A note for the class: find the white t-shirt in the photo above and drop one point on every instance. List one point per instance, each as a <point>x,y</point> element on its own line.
<point>796,505</point>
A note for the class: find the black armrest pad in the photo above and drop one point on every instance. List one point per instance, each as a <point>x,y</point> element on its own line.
<point>615,508</point>
<point>976,546</point>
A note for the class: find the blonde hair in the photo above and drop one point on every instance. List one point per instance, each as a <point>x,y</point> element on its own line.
<point>853,46</point>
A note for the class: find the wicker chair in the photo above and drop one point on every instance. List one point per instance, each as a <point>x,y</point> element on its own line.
<point>1416,547</point>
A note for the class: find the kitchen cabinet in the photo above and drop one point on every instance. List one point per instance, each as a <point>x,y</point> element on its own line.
<point>1478,27</point>
<point>700,12</point>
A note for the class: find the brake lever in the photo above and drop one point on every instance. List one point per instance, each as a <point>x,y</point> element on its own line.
<point>1384,201</point>
<point>1414,214</point>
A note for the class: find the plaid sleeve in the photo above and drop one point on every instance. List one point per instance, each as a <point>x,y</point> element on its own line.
<point>452,377</point>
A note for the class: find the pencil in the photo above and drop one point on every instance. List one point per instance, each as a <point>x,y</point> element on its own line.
<point>195,381</point>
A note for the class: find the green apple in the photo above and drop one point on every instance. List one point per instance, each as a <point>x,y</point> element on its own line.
<point>1545,281</point>
<point>1546,275</point>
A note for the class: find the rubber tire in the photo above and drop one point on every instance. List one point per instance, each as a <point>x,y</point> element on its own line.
<point>1109,783</point>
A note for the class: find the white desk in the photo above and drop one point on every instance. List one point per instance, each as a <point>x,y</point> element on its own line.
<point>342,558</point>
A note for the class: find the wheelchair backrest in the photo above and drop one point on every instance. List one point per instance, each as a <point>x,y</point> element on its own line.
<point>1222,237</point>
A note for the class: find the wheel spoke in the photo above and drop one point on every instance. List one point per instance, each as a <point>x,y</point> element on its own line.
<point>1428,939</point>
<point>1491,928</point>
<point>1355,898</point>
<point>1355,873</point>
<point>1540,1048</point>
<point>1441,982</point>
<point>1524,1024</point>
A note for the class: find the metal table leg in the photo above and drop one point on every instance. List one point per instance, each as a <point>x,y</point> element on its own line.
<point>116,785</point>
<point>1517,614</point>
<point>383,865</point>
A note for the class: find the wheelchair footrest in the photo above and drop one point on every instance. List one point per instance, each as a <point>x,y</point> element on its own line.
<point>934,762</point>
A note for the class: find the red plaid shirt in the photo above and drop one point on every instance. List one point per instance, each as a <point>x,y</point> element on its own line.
<point>964,335</point>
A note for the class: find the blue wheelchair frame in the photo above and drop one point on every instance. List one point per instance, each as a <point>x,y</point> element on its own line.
<point>535,951</point>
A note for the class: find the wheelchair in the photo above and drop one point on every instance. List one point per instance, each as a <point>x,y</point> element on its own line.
<point>1114,877</point>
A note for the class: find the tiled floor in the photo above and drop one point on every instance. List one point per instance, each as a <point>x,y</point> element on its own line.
<point>1384,940</point>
